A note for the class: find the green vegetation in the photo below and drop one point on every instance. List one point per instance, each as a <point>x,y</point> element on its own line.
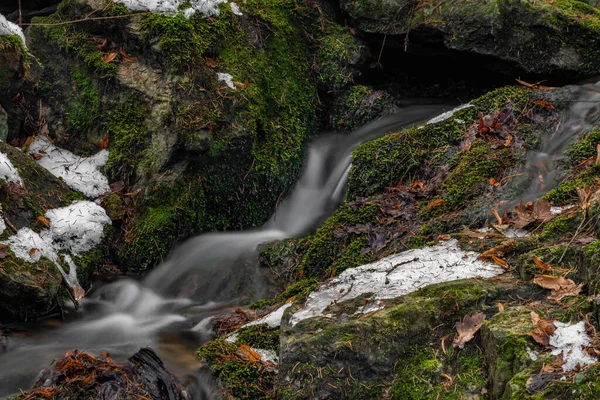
<point>83,109</point>
<point>259,336</point>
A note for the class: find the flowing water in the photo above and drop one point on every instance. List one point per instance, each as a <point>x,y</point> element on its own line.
<point>206,275</point>
<point>214,272</point>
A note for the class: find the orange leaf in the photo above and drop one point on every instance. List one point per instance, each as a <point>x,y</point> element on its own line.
<point>444,237</point>
<point>104,141</point>
<point>246,353</point>
<point>32,251</point>
<point>90,379</point>
<point>417,185</point>
<point>210,62</point>
<point>497,251</point>
<point>539,263</point>
<point>500,307</point>
<point>544,104</point>
<point>126,56</point>
<point>500,262</point>
<point>41,220</point>
<point>494,183</point>
<point>434,203</point>
<point>109,57</point>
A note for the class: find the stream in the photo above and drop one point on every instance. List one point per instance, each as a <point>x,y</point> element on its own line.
<point>206,275</point>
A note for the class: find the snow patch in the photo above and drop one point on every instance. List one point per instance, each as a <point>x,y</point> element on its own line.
<point>448,114</point>
<point>8,172</point>
<point>267,355</point>
<point>273,320</point>
<point>227,78</point>
<point>9,28</point>
<point>80,173</point>
<point>232,338</point>
<point>398,275</point>
<point>209,8</point>
<point>570,340</point>
<point>533,355</point>
<point>76,228</point>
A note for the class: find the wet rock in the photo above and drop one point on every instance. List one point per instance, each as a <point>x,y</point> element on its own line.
<point>82,375</point>
<point>538,37</point>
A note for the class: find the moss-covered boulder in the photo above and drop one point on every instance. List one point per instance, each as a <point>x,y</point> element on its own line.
<point>205,153</point>
<point>542,37</point>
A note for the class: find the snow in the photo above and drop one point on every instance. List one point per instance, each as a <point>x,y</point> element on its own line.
<point>76,228</point>
<point>570,340</point>
<point>398,275</point>
<point>9,28</point>
<point>448,114</point>
<point>8,172</point>
<point>267,355</point>
<point>80,173</point>
<point>209,8</point>
<point>227,78</point>
<point>273,320</point>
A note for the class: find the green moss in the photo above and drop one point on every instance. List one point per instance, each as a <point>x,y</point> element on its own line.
<point>127,135</point>
<point>336,51</point>
<point>83,110</point>
<point>358,106</point>
<point>297,289</point>
<point>169,208</point>
<point>259,336</point>
<point>242,379</point>
<point>471,175</point>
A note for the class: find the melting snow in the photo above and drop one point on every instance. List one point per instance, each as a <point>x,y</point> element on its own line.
<point>398,275</point>
<point>570,340</point>
<point>7,171</point>
<point>273,320</point>
<point>9,28</point>
<point>209,8</point>
<point>74,228</point>
<point>80,173</point>
<point>267,355</point>
<point>227,78</point>
<point>448,114</point>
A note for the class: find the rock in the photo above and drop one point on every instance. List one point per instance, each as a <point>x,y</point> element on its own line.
<point>359,105</point>
<point>144,376</point>
<point>537,37</point>
<point>3,124</point>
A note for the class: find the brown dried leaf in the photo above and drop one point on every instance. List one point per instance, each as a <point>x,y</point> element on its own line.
<point>32,251</point>
<point>467,328</point>
<point>500,262</point>
<point>498,251</point>
<point>90,379</point>
<point>540,264</point>
<point>552,282</point>
<point>500,307</point>
<point>535,86</point>
<point>434,203</point>
<point>104,141</point>
<point>110,57</point>
<point>241,85</point>
<point>535,318</point>
<point>540,336</point>
<point>545,104</point>
<point>41,220</point>
<point>36,156</point>
<point>210,63</point>
<point>126,56</point>
<point>494,183</point>
<point>245,352</point>
<point>570,291</point>
<point>444,237</point>
<point>498,217</point>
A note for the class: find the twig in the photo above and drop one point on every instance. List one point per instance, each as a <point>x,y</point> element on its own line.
<point>20,15</point>
<point>89,19</point>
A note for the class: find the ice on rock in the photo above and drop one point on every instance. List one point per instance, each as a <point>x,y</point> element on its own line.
<point>227,78</point>
<point>398,275</point>
<point>9,28</point>
<point>209,8</point>
<point>8,172</point>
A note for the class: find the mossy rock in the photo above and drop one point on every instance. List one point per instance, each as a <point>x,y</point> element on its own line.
<point>359,105</point>
<point>332,356</point>
<point>540,37</point>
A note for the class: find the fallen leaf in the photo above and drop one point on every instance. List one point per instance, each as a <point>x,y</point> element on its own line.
<point>540,264</point>
<point>540,336</point>
<point>444,237</point>
<point>417,185</point>
<point>545,104</point>
<point>41,220</point>
<point>498,251</point>
<point>571,291</point>
<point>210,63</point>
<point>467,328</point>
<point>560,286</point>
<point>535,86</point>
<point>494,183</point>
<point>245,352</point>
<point>109,57</point>
<point>500,262</point>
<point>36,156</point>
<point>500,307</point>
<point>126,56</point>
<point>104,141</point>
<point>32,251</point>
<point>535,318</point>
<point>241,85</point>
<point>434,203</point>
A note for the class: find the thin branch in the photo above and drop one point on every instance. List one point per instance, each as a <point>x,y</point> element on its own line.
<point>89,19</point>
